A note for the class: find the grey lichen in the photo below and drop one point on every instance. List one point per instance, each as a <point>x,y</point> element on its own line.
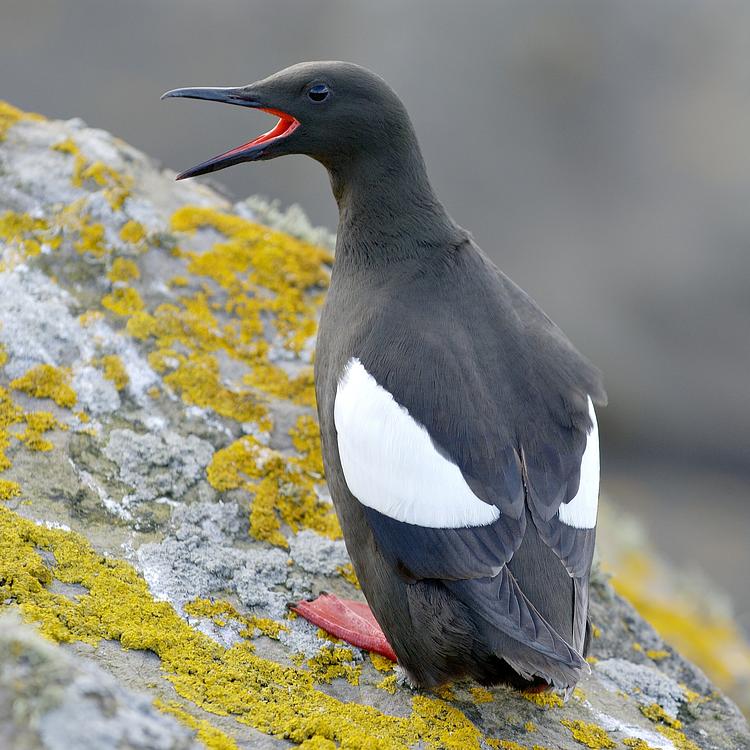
<point>36,324</point>
<point>163,465</point>
<point>645,684</point>
<point>317,554</point>
<point>292,220</point>
<point>201,556</point>
<point>95,393</point>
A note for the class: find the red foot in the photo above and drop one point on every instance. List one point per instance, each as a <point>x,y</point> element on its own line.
<point>351,621</point>
<point>538,686</point>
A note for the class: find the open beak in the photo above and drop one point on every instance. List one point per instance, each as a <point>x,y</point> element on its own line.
<point>250,151</point>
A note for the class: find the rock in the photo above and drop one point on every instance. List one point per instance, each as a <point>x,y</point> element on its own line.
<point>51,700</point>
<point>163,496</point>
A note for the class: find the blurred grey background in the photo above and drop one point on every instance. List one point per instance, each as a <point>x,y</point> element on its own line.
<point>598,151</point>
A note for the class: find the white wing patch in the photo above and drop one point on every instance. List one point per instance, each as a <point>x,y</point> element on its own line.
<point>390,463</point>
<point>580,512</point>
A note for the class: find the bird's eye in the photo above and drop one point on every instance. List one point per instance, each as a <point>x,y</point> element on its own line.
<point>319,92</point>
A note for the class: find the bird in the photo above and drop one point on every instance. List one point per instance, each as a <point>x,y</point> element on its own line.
<point>457,421</point>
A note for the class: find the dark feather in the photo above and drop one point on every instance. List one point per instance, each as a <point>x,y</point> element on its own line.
<point>503,395</point>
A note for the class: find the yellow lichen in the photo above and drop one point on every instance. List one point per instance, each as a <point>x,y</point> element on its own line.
<point>257,260</point>
<point>381,663</point>
<point>86,173</point>
<point>209,735</point>
<point>282,492</point>
<point>388,684</point>
<point>317,743</point>
<point>596,631</point>
<point>590,735</point>
<point>163,360</point>
<point>37,423</point>
<point>481,695</point>
<point>46,381</point>
<point>657,654</point>
<point>220,612</point>
<point>677,738</point>
<point>691,696</point>
<point>123,301</point>
<point>546,699</point>
<point>10,414</point>
<point>133,232</point>
<point>445,691</point>
<point>273,381</point>
<point>123,269</point>
<point>656,713</point>
<point>270,697</point>
<point>29,234</point>
<point>266,626</point>
<point>332,662</point>
<point>637,744</point>
<point>444,725</point>
<point>117,187</point>
<point>529,727</point>
<point>66,146</point>
<point>91,239</point>
<point>510,745</point>
<point>324,635</point>
<point>505,745</point>
<point>9,490</point>
<point>255,278</point>
<point>114,371</point>
<point>199,382</point>
<point>10,115</point>
<point>347,573</point>
<point>306,439</point>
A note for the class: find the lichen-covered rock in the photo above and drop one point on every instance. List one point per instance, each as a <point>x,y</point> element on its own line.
<point>52,701</point>
<point>163,497</point>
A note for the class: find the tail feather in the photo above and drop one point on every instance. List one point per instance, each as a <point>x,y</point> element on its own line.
<point>533,665</point>
<point>500,658</point>
<point>500,603</point>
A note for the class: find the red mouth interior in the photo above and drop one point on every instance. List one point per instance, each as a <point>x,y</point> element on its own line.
<point>284,127</point>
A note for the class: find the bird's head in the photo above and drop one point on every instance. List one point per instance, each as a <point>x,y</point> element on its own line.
<point>334,112</point>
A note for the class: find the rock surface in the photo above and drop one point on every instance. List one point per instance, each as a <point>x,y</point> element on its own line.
<point>163,497</point>
<point>50,699</point>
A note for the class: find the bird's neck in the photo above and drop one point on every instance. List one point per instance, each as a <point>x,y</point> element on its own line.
<point>388,210</point>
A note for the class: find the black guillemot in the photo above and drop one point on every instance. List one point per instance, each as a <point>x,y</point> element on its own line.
<point>457,420</point>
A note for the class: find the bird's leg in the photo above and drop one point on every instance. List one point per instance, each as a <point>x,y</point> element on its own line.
<point>351,621</point>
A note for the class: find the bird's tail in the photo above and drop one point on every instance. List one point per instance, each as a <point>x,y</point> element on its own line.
<point>514,631</point>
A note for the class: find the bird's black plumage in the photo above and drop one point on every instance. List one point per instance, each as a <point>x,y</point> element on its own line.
<point>502,393</point>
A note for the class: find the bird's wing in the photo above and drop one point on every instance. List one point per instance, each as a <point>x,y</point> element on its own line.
<point>427,519</point>
<point>452,455</point>
<point>434,519</point>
